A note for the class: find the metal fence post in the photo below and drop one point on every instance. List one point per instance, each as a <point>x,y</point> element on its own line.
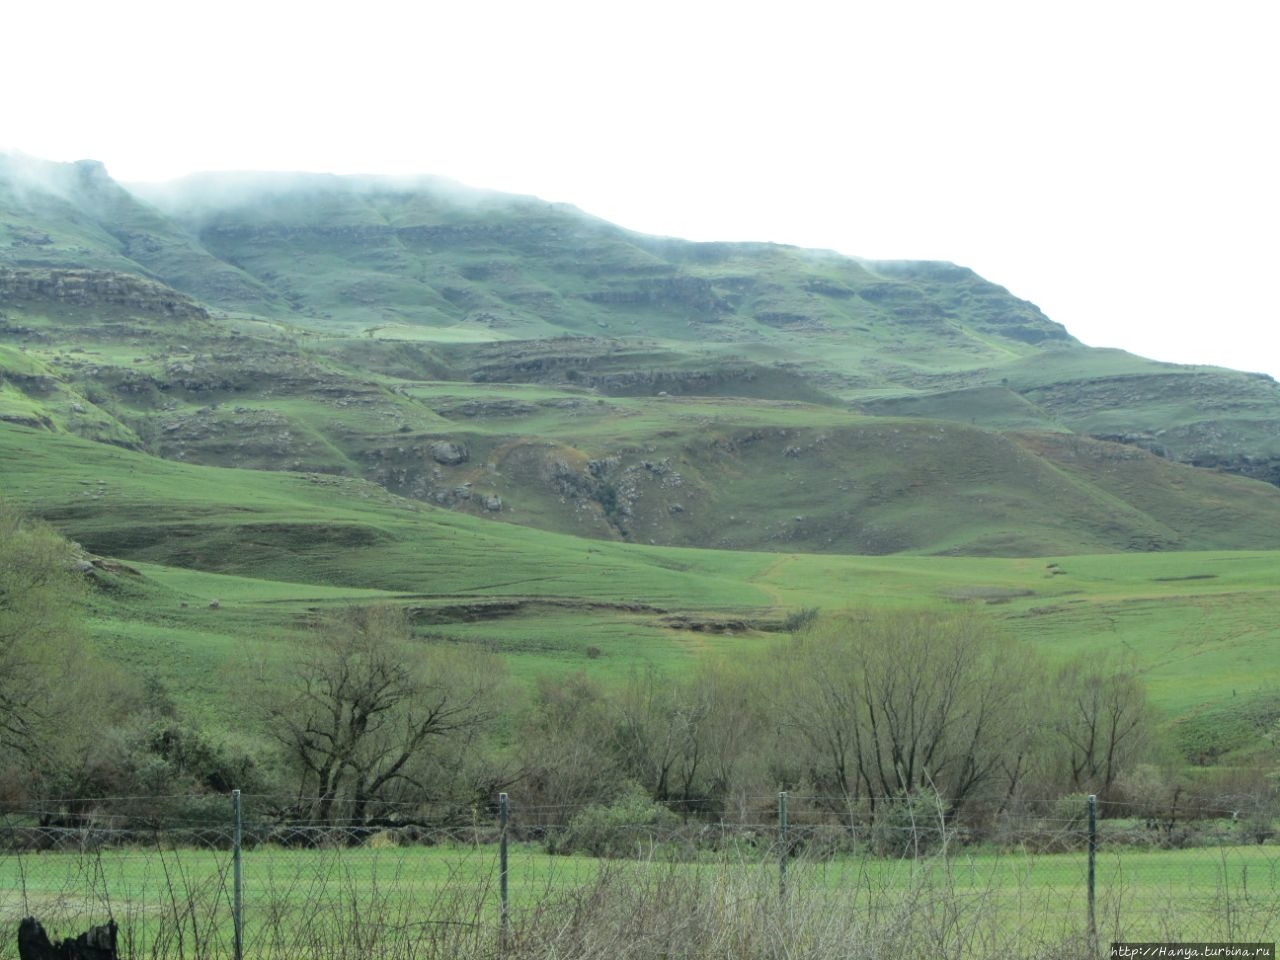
<point>237,877</point>
<point>1093,862</point>
<point>504,817</point>
<point>784,828</point>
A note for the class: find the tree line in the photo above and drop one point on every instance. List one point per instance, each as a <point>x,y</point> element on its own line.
<point>371,724</point>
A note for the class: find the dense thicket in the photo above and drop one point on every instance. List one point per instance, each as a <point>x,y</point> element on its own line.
<point>853,710</point>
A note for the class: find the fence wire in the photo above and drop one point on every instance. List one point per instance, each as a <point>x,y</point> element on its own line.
<point>622,880</point>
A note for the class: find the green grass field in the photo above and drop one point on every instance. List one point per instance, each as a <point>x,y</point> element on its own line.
<point>294,899</point>
<point>276,548</point>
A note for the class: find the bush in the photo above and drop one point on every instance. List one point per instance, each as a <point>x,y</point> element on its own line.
<point>799,620</point>
<point>910,825</point>
<point>630,827</point>
<point>1072,811</point>
<point>1259,827</point>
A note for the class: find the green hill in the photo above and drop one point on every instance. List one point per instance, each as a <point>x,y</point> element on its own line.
<point>224,566</point>
<point>543,432</point>
<point>521,360</point>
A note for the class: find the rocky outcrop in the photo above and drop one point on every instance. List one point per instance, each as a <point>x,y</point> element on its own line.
<point>26,420</point>
<point>693,294</point>
<point>486,408</point>
<point>788,320</point>
<point>97,288</point>
<point>1266,469</point>
<point>1226,426</point>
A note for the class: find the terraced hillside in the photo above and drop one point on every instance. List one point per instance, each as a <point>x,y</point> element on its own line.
<point>525,362</point>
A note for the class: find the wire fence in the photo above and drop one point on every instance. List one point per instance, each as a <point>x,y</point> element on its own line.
<point>796,876</point>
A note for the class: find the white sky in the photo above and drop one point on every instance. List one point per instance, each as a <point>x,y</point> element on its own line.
<point>1113,162</point>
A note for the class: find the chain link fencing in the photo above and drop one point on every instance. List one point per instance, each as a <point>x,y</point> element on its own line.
<point>788,876</point>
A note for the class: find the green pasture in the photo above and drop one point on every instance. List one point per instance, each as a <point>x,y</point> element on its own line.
<point>1226,893</point>
<point>274,549</point>
<point>1201,627</point>
<point>1198,893</point>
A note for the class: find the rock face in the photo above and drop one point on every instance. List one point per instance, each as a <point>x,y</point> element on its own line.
<point>96,288</point>
<point>694,295</point>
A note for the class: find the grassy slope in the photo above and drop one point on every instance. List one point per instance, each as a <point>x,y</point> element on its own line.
<point>446,289</point>
<point>1201,624</point>
<point>727,472</point>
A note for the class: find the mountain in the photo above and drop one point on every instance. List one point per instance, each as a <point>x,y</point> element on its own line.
<point>525,362</point>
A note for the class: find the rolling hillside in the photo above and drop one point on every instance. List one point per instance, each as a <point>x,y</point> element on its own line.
<point>525,362</point>
<point>591,449</point>
<point>225,568</point>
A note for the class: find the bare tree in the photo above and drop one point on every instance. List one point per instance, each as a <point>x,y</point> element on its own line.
<point>564,747</point>
<point>656,735</point>
<point>818,695</point>
<point>360,716</point>
<point>891,703</point>
<point>1102,722</point>
<point>731,734</point>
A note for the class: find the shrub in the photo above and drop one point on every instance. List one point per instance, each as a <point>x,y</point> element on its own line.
<point>1072,810</point>
<point>799,620</point>
<point>629,827</point>
<point>910,825</point>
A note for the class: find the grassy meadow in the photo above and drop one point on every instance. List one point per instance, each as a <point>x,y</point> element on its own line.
<point>385,900</point>
<point>273,549</point>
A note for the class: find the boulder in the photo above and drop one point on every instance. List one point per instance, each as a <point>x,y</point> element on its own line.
<point>448,453</point>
